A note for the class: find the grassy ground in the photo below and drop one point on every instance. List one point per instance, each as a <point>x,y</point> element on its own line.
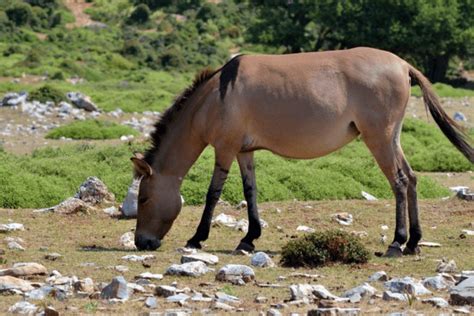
<point>72,235</point>
<point>91,129</point>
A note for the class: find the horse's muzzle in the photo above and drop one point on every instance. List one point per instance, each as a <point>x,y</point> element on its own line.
<point>147,243</point>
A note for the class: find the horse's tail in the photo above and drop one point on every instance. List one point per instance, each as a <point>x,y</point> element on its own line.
<point>455,133</point>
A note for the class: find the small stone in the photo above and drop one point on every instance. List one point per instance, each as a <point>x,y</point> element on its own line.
<point>343,218</point>
<point>11,227</point>
<point>445,266</point>
<point>437,282</point>
<point>166,290</point>
<point>198,297</point>
<point>50,311</point>
<point>390,296</point>
<point>111,211</point>
<point>378,276</point>
<point>116,289</point>
<point>305,229</point>
<point>261,299</point>
<point>186,251</point>
<point>261,259</point>
<point>53,256</point>
<point>459,116</point>
<point>129,206</point>
<point>15,246</point>
<point>94,191</point>
<point>121,268</point>
<point>468,232</point>
<point>346,311</point>
<point>436,301</point>
<point>149,276</point>
<point>224,220</point>
<point>223,306</point>
<point>24,308</point>
<point>242,205</point>
<point>136,288</point>
<point>273,312</point>
<point>8,283</point>
<point>135,258</point>
<point>235,272</point>
<point>362,291</point>
<point>462,310</point>
<point>311,292</point>
<point>86,285</point>
<point>226,298</point>
<point>178,298</point>
<point>406,285</point>
<point>429,244</point>
<point>25,269</point>
<point>151,302</point>
<point>368,197</point>
<point>194,269</point>
<point>200,256</point>
<point>127,241</point>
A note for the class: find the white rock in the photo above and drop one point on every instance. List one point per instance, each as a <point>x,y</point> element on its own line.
<point>378,276</point>
<point>391,296</point>
<point>150,276</point>
<point>468,232</point>
<point>311,292</point>
<point>151,302</point>
<point>305,229</point>
<point>135,258</point>
<point>11,227</point>
<point>194,269</point>
<point>24,269</point>
<point>130,205</point>
<point>235,273</point>
<point>14,245</point>
<point>368,196</point>
<point>242,225</point>
<point>242,205</point>
<point>361,290</point>
<point>429,244</point>
<point>116,289</point>
<point>406,285</point>
<point>127,241</point>
<point>261,259</point>
<point>436,301</point>
<point>343,218</point>
<point>446,266</point>
<point>8,283</point>
<point>207,258</point>
<point>224,220</point>
<point>438,282</point>
<point>24,308</point>
<point>94,191</point>
<point>463,292</point>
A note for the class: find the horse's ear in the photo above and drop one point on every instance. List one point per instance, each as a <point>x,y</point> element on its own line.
<point>142,168</point>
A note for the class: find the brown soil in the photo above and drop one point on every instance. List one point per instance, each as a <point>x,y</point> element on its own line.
<point>77,8</point>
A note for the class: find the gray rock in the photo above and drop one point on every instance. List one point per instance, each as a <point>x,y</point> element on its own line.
<point>445,266</point>
<point>25,269</point>
<point>305,229</point>
<point>311,292</point>
<point>198,297</point>
<point>463,292</point>
<point>273,312</point>
<point>261,259</point>
<point>438,282</point>
<point>176,312</point>
<point>236,273</point>
<point>166,290</point>
<point>330,311</point>
<point>178,298</point>
<point>15,246</point>
<point>226,298</point>
<point>459,116</point>
<point>53,256</point>
<point>378,276</point>
<point>207,258</point>
<point>24,308</point>
<point>86,285</point>
<point>94,191</point>
<point>136,288</point>
<point>224,220</point>
<point>129,206</point>
<point>8,283</point>
<point>46,291</point>
<point>151,302</point>
<point>436,301</point>
<point>116,289</point>
<point>69,206</point>
<point>223,306</point>
<point>406,285</point>
<point>362,291</point>
<point>343,218</point>
<point>14,99</point>
<point>82,101</point>
<point>391,296</point>
<point>136,258</point>
<point>194,269</point>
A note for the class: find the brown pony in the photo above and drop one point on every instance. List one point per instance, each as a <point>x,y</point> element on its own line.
<point>297,106</point>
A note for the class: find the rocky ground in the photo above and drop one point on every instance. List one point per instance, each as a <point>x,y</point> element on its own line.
<point>85,262</point>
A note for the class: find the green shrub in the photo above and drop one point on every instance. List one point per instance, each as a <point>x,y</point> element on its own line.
<point>321,248</point>
<point>58,75</point>
<point>91,129</point>
<point>20,14</point>
<point>47,93</point>
<point>140,15</point>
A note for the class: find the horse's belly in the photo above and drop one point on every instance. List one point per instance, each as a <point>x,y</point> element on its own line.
<point>306,141</point>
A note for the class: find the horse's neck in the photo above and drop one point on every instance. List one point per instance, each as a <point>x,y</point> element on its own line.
<point>179,150</point>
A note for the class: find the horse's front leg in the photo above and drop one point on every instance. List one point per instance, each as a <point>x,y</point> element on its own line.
<point>221,169</point>
<point>247,171</point>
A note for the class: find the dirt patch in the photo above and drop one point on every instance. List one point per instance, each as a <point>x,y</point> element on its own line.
<point>77,8</point>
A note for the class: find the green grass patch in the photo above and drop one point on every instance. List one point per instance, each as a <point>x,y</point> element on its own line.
<point>91,129</point>
<point>445,91</point>
<point>321,248</point>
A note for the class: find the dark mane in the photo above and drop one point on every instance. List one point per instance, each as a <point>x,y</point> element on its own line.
<point>170,114</point>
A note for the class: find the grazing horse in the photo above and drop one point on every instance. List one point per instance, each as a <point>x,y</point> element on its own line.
<point>297,106</point>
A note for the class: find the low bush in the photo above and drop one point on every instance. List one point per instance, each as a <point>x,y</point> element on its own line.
<point>47,93</point>
<point>91,129</point>
<point>321,248</point>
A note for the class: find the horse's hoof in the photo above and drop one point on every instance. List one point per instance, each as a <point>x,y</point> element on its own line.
<point>245,246</point>
<point>193,244</point>
<point>408,251</point>
<point>394,251</point>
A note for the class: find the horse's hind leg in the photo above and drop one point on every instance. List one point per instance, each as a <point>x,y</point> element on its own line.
<point>415,228</point>
<point>385,151</point>
<point>221,169</point>
<point>247,171</point>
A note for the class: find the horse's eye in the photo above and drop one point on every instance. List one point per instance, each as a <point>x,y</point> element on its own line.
<point>142,200</point>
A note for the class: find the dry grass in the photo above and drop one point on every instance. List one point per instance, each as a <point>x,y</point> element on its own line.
<point>71,235</point>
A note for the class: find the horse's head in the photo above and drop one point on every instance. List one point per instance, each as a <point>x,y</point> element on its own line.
<point>159,203</point>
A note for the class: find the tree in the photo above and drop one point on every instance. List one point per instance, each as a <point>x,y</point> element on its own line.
<point>20,14</point>
<point>140,15</point>
<point>426,32</point>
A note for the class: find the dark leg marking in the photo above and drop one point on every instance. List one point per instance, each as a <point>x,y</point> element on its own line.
<point>400,190</point>
<point>213,194</point>
<point>247,171</point>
